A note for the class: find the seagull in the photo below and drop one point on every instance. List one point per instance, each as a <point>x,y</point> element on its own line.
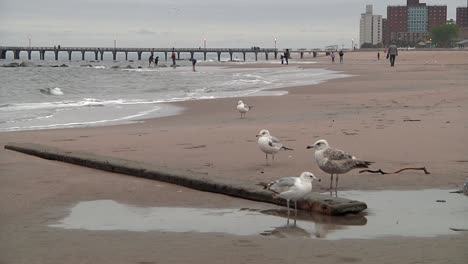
<point>269,144</point>
<point>335,161</point>
<point>292,188</point>
<point>243,108</point>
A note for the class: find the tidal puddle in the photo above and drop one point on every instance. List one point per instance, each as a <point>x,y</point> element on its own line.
<point>424,213</point>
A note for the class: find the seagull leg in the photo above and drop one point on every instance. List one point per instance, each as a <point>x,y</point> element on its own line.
<point>266,157</point>
<point>287,204</point>
<point>295,212</point>
<point>336,183</point>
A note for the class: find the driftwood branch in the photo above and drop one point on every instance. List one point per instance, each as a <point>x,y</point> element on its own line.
<point>398,171</point>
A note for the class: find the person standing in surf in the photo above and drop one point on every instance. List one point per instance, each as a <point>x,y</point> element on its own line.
<point>150,60</point>
<point>194,61</point>
<point>173,57</point>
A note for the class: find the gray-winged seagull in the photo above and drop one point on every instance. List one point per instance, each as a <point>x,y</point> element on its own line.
<point>292,188</point>
<point>269,144</point>
<point>335,161</point>
<point>243,108</point>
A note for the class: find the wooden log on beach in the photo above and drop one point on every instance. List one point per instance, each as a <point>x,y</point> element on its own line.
<point>323,204</point>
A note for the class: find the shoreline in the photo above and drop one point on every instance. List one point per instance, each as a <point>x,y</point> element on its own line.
<point>129,110</point>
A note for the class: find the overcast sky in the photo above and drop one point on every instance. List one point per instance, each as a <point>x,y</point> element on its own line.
<point>185,23</point>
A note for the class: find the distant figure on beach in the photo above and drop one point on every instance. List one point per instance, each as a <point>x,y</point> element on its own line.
<point>173,57</point>
<point>282,59</point>
<point>156,60</point>
<point>341,56</point>
<point>150,60</point>
<point>378,55</point>
<point>332,55</point>
<point>194,61</point>
<point>286,56</point>
<point>392,52</point>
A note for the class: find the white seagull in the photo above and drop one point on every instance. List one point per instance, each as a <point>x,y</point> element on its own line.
<point>269,144</point>
<point>243,108</point>
<point>292,188</point>
<point>335,161</point>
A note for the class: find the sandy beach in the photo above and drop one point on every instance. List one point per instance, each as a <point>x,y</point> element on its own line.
<point>412,115</point>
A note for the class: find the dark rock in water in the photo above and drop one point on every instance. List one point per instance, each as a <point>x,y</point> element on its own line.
<point>63,65</point>
<point>13,64</point>
<point>26,64</point>
<point>91,61</point>
<point>115,67</point>
<point>130,61</point>
<point>86,65</point>
<point>54,66</point>
<point>129,67</point>
<point>38,65</point>
<point>465,187</point>
<point>140,67</point>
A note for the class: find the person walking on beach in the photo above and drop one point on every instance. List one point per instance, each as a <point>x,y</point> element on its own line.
<point>332,55</point>
<point>156,60</point>
<point>378,55</point>
<point>392,52</point>
<point>341,56</point>
<point>282,59</point>
<point>194,61</point>
<point>173,57</point>
<point>286,56</point>
<point>150,60</point>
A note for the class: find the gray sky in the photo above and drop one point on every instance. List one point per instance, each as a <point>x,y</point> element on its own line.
<point>185,23</point>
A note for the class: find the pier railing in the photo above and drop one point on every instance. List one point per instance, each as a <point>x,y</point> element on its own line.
<point>99,51</point>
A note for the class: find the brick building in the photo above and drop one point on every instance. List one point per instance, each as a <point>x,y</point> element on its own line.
<point>410,24</point>
<point>462,21</point>
<point>462,17</point>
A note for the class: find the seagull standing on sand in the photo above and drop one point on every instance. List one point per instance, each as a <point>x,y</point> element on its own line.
<point>243,108</point>
<point>269,144</point>
<point>292,188</point>
<point>335,161</point>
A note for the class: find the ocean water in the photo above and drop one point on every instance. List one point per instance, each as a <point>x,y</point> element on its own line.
<point>93,93</point>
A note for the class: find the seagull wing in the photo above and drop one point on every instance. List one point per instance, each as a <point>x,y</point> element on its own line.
<point>274,139</point>
<point>274,143</point>
<point>336,154</point>
<point>282,185</point>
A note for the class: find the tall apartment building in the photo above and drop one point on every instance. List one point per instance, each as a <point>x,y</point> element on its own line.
<point>370,30</point>
<point>462,16</point>
<point>462,21</point>
<point>412,23</point>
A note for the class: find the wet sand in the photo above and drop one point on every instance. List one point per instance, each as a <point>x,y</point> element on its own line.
<point>409,116</point>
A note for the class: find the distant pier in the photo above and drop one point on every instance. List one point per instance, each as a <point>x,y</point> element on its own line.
<point>99,52</point>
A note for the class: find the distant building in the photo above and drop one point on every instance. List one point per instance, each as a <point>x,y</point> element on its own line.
<point>384,30</point>
<point>370,31</point>
<point>462,22</point>
<point>410,24</point>
<point>462,17</point>
<point>437,15</point>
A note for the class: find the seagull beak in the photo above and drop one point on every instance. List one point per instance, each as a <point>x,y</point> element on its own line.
<point>257,135</point>
<point>309,147</point>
